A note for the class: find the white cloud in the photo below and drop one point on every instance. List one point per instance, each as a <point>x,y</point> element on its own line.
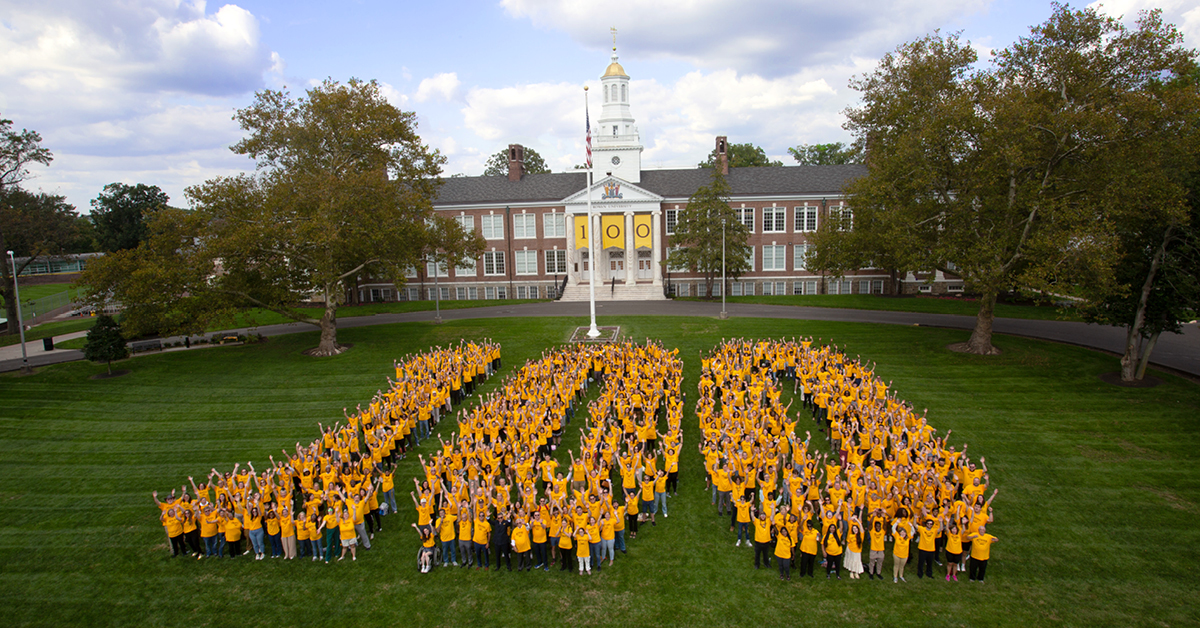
<point>131,89</point>
<point>1184,14</point>
<point>772,39</point>
<point>442,86</point>
<point>677,121</point>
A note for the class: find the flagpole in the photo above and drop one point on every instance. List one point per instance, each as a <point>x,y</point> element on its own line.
<point>594,331</point>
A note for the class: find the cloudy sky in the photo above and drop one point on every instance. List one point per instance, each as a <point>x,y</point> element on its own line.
<point>143,91</point>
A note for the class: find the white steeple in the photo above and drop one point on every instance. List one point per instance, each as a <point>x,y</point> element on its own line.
<point>618,147</point>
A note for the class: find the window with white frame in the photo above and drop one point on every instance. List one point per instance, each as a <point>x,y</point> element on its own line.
<point>745,215</point>
<point>556,262</point>
<point>774,219</point>
<point>526,262</point>
<point>466,267</point>
<point>467,222</point>
<point>442,271</point>
<point>493,263</point>
<point>877,286</point>
<point>774,257</point>
<point>864,286</point>
<point>750,259</point>
<point>801,257</point>
<point>410,272</point>
<point>492,226</point>
<point>842,216</point>
<point>806,219</point>
<point>554,225</point>
<point>489,293</point>
<point>502,292</point>
<point>524,226</point>
<point>460,293</point>
<point>473,293</point>
<point>672,219</point>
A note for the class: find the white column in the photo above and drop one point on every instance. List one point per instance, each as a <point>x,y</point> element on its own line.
<point>630,251</point>
<point>572,253</point>
<point>655,245</point>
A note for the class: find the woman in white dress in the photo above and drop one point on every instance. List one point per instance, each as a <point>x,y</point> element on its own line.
<point>854,540</point>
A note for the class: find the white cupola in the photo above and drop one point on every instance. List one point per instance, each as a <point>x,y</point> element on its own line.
<point>617,145</point>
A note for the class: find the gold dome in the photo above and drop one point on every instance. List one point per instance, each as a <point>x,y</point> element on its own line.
<point>615,69</point>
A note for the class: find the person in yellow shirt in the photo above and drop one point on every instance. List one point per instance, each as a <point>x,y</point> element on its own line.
<point>981,551</point>
<point>927,535</point>
<point>808,548</point>
<point>900,550</point>
<point>854,546</point>
<point>878,534</point>
<point>783,552</point>
<point>762,538</point>
<point>834,542</point>
<point>954,549</point>
<point>521,544</point>
<point>425,554</point>
<point>481,537</point>
<point>233,534</point>
<point>742,506</point>
<point>446,528</point>
<point>346,531</point>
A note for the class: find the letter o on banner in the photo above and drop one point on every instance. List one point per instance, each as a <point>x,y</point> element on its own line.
<point>642,231</point>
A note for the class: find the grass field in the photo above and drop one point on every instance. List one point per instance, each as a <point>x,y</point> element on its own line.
<point>932,305</point>
<point>1096,515</point>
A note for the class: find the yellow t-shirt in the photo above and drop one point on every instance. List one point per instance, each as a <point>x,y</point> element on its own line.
<point>981,546</point>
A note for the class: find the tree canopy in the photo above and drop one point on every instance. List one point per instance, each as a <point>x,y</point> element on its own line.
<point>742,156</point>
<point>34,227</point>
<point>497,165</point>
<point>344,187</point>
<point>834,154</point>
<point>19,150</point>
<point>697,242</point>
<point>1008,174</point>
<point>119,214</point>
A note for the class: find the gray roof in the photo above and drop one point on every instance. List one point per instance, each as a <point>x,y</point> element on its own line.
<point>553,187</point>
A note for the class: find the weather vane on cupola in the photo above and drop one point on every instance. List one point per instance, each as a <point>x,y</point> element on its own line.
<point>613,30</point>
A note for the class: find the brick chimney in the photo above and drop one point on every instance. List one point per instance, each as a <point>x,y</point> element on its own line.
<point>722,161</point>
<point>516,162</point>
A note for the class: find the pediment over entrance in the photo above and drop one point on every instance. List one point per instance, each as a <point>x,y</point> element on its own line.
<point>611,193</point>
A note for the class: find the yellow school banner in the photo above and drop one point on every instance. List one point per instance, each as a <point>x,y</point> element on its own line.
<point>581,231</point>
<point>642,231</point>
<point>612,228</point>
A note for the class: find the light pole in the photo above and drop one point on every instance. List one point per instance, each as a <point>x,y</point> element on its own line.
<point>724,314</point>
<point>20,322</point>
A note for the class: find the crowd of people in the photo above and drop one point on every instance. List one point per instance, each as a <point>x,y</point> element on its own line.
<point>889,480</point>
<point>496,490</point>
<point>333,492</point>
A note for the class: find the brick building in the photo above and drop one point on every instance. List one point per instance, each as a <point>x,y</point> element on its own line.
<point>535,225</point>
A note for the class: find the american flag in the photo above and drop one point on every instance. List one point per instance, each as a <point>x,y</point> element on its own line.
<point>588,120</point>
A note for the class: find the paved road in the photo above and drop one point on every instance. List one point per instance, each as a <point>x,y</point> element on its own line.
<point>1179,352</point>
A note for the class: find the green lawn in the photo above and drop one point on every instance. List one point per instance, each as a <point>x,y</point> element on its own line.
<point>260,317</point>
<point>35,292</point>
<point>47,330</point>
<point>1096,515</point>
<point>932,305</point>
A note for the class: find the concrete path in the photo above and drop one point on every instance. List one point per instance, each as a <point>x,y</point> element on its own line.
<point>1179,352</point>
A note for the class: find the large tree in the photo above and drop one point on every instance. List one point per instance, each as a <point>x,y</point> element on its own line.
<point>497,164</point>
<point>1005,174</point>
<point>742,156</point>
<point>833,154</point>
<point>344,186</point>
<point>119,214</point>
<point>34,227</point>
<point>708,230</point>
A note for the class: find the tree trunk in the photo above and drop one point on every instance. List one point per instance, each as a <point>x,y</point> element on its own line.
<point>1133,334</point>
<point>1141,369</point>
<point>981,337</point>
<point>708,282</point>
<point>329,345</point>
